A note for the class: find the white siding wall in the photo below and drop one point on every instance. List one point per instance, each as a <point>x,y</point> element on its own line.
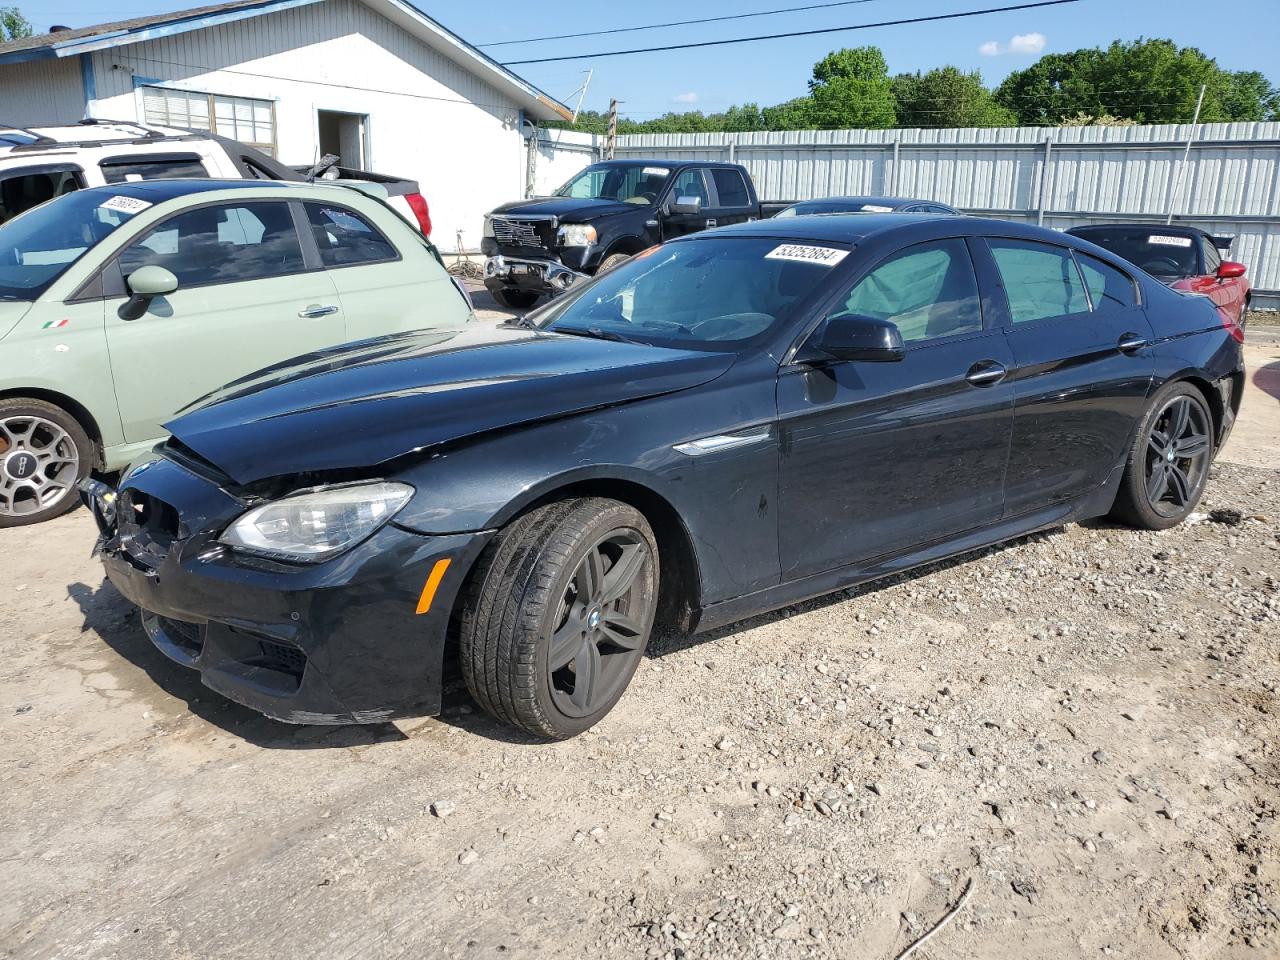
<point>41,92</point>
<point>429,119</point>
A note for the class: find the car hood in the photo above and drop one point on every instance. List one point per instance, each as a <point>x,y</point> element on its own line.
<point>375,400</point>
<point>568,209</point>
<point>11,311</point>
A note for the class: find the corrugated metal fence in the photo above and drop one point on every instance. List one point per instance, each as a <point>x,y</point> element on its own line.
<point>1060,177</point>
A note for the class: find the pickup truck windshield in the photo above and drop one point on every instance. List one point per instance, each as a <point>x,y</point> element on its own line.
<point>717,293</point>
<point>638,183</point>
<point>38,246</point>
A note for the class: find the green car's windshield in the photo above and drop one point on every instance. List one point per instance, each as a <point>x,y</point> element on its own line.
<point>37,247</point>
<point>639,183</point>
<point>713,293</point>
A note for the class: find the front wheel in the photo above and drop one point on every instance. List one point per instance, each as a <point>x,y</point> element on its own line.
<point>44,453</point>
<point>1168,464</point>
<point>612,261</point>
<point>559,615</point>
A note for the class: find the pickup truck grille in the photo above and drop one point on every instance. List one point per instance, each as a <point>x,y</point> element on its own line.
<point>518,233</point>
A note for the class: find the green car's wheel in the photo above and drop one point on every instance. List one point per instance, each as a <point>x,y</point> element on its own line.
<point>44,453</point>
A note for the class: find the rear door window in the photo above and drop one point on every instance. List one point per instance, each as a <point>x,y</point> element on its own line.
<point>222,243</point>
<point>1212,259</point>
<point>166,167</point>
<point>26,189</point>
<point>345,238</point>
<point>731,187</point>
<point>1040,280</point>
<point>1109,289</point>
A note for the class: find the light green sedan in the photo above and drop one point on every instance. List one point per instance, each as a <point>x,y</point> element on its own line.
<point>120,305</point>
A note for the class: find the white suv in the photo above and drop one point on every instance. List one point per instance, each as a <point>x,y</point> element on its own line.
<point>38,164</point>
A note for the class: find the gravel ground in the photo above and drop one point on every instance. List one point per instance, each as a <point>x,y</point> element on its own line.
<point>1081,725</point>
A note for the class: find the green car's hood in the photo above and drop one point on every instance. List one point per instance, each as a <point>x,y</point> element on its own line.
<point>11,311</point>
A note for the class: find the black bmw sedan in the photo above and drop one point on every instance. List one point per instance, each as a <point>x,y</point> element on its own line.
<point>726,424</point>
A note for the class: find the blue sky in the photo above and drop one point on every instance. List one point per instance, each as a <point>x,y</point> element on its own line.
<point>773,71</point>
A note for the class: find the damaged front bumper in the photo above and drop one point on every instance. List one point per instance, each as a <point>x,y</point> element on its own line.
<point>534,276</point>
<point>336,642</point>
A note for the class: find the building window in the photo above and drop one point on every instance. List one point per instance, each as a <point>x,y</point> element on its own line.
<point>250,121</point>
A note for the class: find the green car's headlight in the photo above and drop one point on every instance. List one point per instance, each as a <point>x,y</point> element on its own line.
<point>314,526</point>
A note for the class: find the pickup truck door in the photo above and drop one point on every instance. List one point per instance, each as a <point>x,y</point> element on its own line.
<point>732,197</point>
<point>690,182</point>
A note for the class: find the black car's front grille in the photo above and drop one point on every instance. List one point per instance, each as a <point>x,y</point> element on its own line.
<point>282,657</point>
<point>524,234</point>
<point>187,636</point>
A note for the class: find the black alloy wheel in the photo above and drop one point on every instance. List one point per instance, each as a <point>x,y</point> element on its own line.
<point>558,614</point>
<point>1168,464</point>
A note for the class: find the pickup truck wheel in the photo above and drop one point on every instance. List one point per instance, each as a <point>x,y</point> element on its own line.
<point>515,299</point>
<point>44,453</point>
<point>559,614</point>
<point>613,260</point>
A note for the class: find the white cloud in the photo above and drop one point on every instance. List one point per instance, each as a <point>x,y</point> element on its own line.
<point>990,49</point>
<point>685,97</point>
<point>1027,43</point>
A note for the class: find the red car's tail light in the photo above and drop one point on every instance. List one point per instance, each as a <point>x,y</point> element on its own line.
<point>418,204</point>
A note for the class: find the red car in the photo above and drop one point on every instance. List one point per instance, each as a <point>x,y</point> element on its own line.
<point>1185,258</point>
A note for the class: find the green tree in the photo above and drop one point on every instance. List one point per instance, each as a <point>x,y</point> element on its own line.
<point>947,97</point>
<point>1248,95</point>
<point>851,88</point>
<point>13,25</point>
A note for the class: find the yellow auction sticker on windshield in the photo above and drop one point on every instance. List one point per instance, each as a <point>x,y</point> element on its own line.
<point>803,253</point>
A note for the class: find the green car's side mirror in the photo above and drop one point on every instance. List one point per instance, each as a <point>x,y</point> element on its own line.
<point>145,284</point>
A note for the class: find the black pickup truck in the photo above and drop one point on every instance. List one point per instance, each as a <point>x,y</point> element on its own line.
<point>606,213</point>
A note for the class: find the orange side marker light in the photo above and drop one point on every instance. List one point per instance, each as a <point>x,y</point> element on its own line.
<point>432,585</point>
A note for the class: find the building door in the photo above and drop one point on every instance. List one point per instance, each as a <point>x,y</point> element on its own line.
<point>343,135</point>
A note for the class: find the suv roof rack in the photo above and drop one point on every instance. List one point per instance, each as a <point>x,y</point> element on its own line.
<point>147,132</point>
<point>36,137</point>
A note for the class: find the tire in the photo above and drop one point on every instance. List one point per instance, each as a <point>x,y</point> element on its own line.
<point>1164,475</point>
<point>531,618</point>
<point>515,299</point>
<point>612,261</point>
<point>44,454</point>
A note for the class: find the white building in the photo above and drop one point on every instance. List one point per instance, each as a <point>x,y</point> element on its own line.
<point>377,82</point>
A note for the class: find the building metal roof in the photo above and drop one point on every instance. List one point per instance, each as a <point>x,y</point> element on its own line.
<point>68,43</point>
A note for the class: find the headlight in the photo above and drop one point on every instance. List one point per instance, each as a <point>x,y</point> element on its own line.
<point>577,235</point>
<point>309,527</point>
<point>488,226</point>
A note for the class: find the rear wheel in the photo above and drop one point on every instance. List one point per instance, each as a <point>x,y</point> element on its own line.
<point>515,299</point>
<point>559,614</point>
<point>44,453</point>
<point>1168,464</point>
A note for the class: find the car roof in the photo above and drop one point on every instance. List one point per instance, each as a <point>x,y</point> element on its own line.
<point>655,162</point>
<point>158,191</point>
<point>875,201</point>
<point>853,228</point>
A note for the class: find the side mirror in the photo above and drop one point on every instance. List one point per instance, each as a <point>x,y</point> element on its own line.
<point>145,284</point>
<point>1229,269</point>
<point>687,205</point>
<point>851,337</point>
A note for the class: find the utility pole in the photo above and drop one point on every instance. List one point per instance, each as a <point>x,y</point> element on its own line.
<point>531,163</point>
<point>611,141</point>
<point>582,95</point>
<point>1186,154</point>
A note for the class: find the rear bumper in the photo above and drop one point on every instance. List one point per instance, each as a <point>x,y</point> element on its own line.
<point>337,642</point>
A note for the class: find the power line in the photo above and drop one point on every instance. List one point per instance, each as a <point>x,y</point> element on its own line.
<point>795,33</point>
<point>675,23</point>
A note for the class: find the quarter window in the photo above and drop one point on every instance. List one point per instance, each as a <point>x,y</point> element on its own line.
<point>129,169</point>
<point>730,187</point>
<point>345,238</point>
<point>1109,289</point>
<point>1039,280</point>
<point>928,290</point>
<point>221,244</point>
<point>1212,259</point>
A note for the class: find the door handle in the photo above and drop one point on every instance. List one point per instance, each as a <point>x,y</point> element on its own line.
<point>986,373</point>
<point>1131,343</point>
<point>315,310</point>
<point>711,223</point>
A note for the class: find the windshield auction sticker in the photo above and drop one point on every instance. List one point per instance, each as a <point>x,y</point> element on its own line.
<point>802,253</point>
<point>875,208</point>
<point>1170,241</point>
<point>126,205</point>
<point>654,172</point>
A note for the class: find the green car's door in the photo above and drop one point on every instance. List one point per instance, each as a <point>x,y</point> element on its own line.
<point>386,286</point>
<point>247,297</point>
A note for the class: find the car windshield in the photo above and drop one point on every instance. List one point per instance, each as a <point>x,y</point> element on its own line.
<point>713,293</point>
<point>1163,254</point>
<point>639,183</point>
<point>37,247</point>
<point>809,207</point>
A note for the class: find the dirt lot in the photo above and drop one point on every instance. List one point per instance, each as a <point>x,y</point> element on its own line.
<point>1083,725</point>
